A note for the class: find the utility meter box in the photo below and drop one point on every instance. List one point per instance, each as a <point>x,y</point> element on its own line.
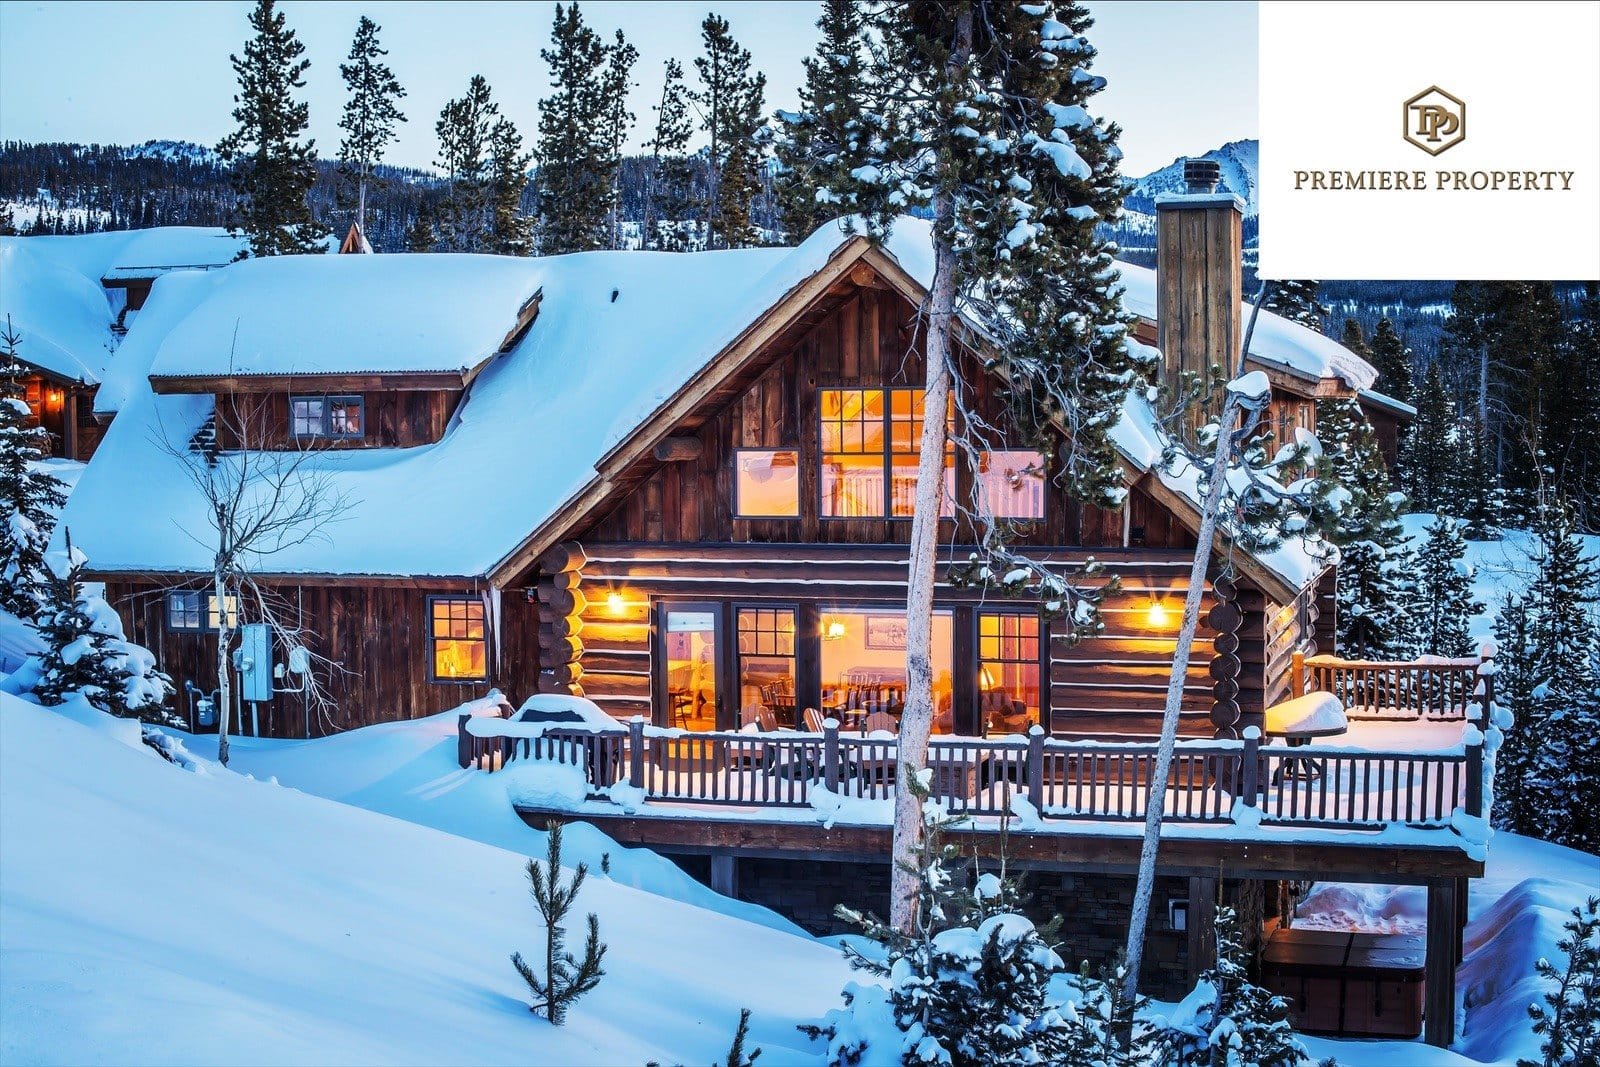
<point>253,660</point>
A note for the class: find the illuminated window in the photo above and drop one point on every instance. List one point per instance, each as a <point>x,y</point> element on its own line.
<point>1009,696</point>
<point>767,483</point>
<point>766,661</point>
<point>456,632</point>
<point>195,611</point>
<point>870,440</point>
<point>327,416</point>
<point>1011,484</point>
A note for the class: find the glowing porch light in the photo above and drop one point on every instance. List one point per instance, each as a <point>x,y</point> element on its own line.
<point>1157,615</point>
<point>833,630</point>
<point>616,603</point>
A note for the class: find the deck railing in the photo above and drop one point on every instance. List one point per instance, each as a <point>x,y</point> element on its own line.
<point>1210,782</point>
<point>1437,690</point>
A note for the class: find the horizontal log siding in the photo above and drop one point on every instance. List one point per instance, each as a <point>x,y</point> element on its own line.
<point>1115,683</point>
<point>378,636</point>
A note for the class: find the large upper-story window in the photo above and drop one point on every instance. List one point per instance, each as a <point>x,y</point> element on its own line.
<point>766,483</point>
<point>339,417</point>
<point>870,440</point>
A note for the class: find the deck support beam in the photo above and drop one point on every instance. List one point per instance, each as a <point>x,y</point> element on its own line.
<point>1444,928</point>
<point>1201,925</point>
<point>725,874</point>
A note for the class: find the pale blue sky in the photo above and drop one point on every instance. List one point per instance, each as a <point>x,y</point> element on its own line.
<point>1182,75</point>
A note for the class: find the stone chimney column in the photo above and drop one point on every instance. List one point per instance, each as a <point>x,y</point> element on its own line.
<point>1199,249</point>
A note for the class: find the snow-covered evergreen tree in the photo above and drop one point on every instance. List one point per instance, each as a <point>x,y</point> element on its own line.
<point>1355,339</point>
<point>669,200</point>
<point>1443,606</point>
<point>1389,354</point>
<point>582,124</point>
<point>465,219</point>
<point>836,123</point>
<point>29,497</point>
<point>1572,435</point>
<point>370,111</point>
<point>85,650</point>
<point>510,231</point>
<point>1228,1021</point>
<point>273,169</point>
<point>1569,1018</point>
<point>1104,1028</point>
<point>1431,454</point>
<point>1374,579</point>
<point>1297,301</point>
<point>967,986</point>
<point>732,102</point>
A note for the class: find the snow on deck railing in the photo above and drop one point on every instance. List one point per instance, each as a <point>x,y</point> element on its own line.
<point>1243,783</point>
<point>1432,688</point>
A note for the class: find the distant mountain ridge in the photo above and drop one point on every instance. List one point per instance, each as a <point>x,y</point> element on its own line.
<point>1240,162</point>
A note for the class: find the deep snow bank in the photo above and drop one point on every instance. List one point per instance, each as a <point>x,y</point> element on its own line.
<point>148,914</point>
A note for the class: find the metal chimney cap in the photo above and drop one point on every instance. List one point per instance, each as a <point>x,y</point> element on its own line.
<point>1202,175</point>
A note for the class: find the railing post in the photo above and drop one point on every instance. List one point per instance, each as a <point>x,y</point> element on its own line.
<point>1036,767</point>
<point>1474,798</point>
<point>463,741</point>
<point>1250,769</point>
<point>1297,674</point>
<point>636,751</point>
<point>830,754</point>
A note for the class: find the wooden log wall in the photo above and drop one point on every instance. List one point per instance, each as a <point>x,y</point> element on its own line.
<point>866,340</point>
<point>1113,684</point>
<point>378,634</point>
<point>1225,619</point>
<point>561,610</point>
<point>397,418</point>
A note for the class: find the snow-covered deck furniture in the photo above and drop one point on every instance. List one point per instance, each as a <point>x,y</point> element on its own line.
<point>1298,721</point>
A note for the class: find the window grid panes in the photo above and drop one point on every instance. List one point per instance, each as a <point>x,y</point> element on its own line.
<point>1009,691</point>
<point>183,611</point>
<point>345,416</point>
<point>456,631</point>
<point>870,440</point>
<point>327,416</point>
<point>306,416</point>
<point>214,617</point>
<point>766,662</point>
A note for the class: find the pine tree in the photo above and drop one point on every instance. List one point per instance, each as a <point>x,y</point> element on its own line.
<point>731,101</point>
<point>1297,301</point>
<point>968,985</point>
<point>1572,422</point>
<point>273,170</point>
<point>465,218</point>
<point>1444,606</point>
<point>1392,360</point>
<point>510,231</point>
<point>421,235</point>
<point>1431,454</point>
<point>29,498</point>
<point>1373,579</point>
<point>1103,1027</point>
<point>370,112</point>
<point>836,124</point>
<point>616,125</point>
<point>564,978</point>
<point>85,652</point>
<point>1227,1019</point>
<point>669,200</point>
<point>737,1056</point>
<point>1569,1018</point>
<point>1355,340</point>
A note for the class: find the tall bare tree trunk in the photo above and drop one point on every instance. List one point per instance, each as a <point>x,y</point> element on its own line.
<point>224,675</point>
<point>917,720</point>
<point>361,202</point>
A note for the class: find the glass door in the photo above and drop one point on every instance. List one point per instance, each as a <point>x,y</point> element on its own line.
<point>689,656</point>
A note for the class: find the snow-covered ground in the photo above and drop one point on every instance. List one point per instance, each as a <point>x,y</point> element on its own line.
<point>153,915</point>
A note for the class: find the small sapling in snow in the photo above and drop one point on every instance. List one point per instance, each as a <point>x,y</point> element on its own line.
<point>565,978</point>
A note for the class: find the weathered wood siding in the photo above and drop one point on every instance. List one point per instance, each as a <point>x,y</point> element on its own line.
<point>378,636</point>
<point>394,419</point>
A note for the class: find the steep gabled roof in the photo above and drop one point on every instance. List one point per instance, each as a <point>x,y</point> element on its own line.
<point>623,343</point>
<point>61,316</point>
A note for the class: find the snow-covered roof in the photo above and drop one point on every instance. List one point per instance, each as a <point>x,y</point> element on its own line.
<point>302,315</point>
<point>61,316</point>
<point>1384,400</point>
<point>150,253</point>
<point>618,335</point>
<point>1276,343</point>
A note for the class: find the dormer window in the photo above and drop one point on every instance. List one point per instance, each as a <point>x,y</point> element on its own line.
<point>336,417</point>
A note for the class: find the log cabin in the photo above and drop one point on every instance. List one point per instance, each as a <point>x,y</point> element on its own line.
<point>679,486</point>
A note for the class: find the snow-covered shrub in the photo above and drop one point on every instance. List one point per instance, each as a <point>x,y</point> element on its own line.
<point>1569,1018</point>
<point>29,497</point>
<point>1103,1026</point>
<point>87,653</point>
<point>970,984</point>
<point>1226,1020</point>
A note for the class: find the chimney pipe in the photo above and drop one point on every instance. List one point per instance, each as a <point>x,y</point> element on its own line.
<point>1201,175</point>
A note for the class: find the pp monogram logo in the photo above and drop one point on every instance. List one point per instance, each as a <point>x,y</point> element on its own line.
<point>1435,120</point>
